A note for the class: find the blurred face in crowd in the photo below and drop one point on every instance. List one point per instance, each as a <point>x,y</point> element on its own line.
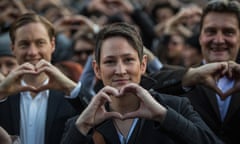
<point>119,63</point>
<point>32,43</point>
<point>82,49</point>
<point>163,14</point>
<point>220,37</point>
<point>7,64</point>
<point>191,56</point>
<point>175,46</point>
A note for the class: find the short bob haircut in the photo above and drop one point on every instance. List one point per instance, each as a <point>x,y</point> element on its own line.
<point>127,31</point>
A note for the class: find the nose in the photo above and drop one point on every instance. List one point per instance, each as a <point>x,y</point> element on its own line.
<point>120,68</point>
<point>33,50</point>
<point>219,38</point>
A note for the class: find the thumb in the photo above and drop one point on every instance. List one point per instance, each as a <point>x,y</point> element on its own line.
<point>116,115</point>
<point>43,87</point>
<point>28,88</point>
<point>228,93</point>
<point>130,115</point>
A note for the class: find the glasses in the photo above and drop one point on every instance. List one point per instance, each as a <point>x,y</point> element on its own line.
<point>81,52</point>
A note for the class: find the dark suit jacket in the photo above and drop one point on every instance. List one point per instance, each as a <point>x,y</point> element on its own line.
<point>182,125</point>
<point>58,111</point>
<point>204,101</point>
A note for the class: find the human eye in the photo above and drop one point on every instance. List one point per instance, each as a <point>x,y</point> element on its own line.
<point>10,64</point>
<point>229,32</point>
<point>129,59</point>
<point>209,31</point>
<point>41,42</point>
<point>109,62</point>
<point>23,45</point>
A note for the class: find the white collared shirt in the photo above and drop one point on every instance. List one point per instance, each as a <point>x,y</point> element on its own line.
<point>33,116</point>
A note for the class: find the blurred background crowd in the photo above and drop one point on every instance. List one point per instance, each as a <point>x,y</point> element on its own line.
<point>169,28</point>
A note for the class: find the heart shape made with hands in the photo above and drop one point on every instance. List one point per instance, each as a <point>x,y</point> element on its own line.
<point>130,94</point>
<point>36,89</point>
<point>34,73</point>
<point>223,93</point>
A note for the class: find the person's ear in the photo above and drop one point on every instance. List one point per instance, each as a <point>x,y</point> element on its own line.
<point>53,43</point>
<point>96,68</point>
<point>144,64</point>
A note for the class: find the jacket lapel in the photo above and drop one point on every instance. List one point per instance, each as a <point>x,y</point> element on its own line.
<point>109,132</point>
<point>52,106</point>
<point>15,112</point>
<point>211,95</point>
<point>233,107</point>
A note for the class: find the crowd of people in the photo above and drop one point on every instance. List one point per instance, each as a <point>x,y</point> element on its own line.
<point>119,71</point>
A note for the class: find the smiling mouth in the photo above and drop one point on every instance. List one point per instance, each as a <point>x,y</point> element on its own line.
<point>218,49</point>
<point>121,81</point>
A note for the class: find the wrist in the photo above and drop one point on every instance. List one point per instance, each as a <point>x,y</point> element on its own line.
<point>190,78</point>
<point>70,87</point>
<point>83,127</point>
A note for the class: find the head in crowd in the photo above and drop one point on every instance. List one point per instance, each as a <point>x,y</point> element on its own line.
<point>33,38</point>
<point>220,31</point>
<point>162,11</point>
<point>83,46</point>
<point>7,60</point>
<point>192,55</point>
<point>119,53</point>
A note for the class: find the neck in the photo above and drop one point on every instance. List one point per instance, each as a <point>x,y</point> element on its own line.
<point>125,104</point>
<point>35,80</point>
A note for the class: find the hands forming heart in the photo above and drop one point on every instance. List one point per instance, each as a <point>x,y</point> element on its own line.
<point>209,74</point>
<point>96,113</point>
<point>57,80</point>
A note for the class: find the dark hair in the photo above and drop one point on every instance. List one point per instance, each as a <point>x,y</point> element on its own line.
<point>124,30</point>
<point>31,18</point>
<point>222,6</point>
<point>161,5</point>
<point>84,35</point>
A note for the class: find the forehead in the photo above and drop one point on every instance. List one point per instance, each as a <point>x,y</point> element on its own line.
<point>116,46</point>
<point>218,20</point>
<point>30,31</point>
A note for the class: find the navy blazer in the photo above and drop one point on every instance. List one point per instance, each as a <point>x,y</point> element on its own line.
<point>204,101</point>
<point>58,111</point>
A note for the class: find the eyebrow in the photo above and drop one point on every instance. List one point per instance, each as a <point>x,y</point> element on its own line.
<point>123,55</point>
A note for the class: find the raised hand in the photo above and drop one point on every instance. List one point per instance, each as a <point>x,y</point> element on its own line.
<point>233,73</point>
<point>4,137</point>
<point>74,22</point>
<point>12,83</point>
<point>57,80</point>
<point>207,75</point>
<point>96,113</point>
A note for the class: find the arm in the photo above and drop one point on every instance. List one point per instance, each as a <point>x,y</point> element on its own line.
<point>174,114</point>
<point>184,123</point>
<point>94,114</point>
<point>12,83</point>
<point>207,75</point>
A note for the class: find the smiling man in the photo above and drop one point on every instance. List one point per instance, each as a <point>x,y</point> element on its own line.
<point>32,96</point>
<point>220,43</point>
